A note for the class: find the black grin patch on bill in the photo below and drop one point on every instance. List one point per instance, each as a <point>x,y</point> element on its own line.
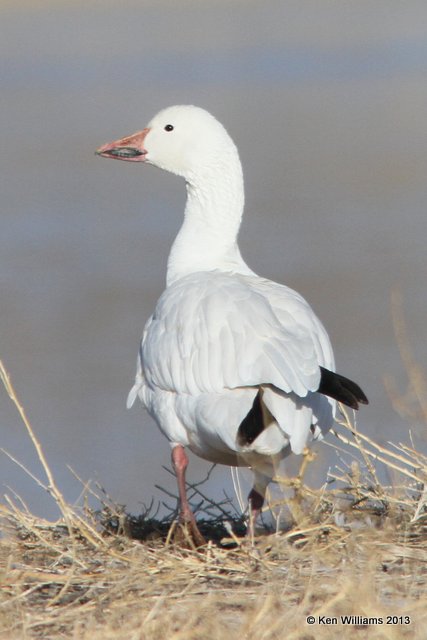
<point>124,152</point>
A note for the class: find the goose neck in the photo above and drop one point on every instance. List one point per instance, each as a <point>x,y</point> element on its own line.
<point>207,239</point>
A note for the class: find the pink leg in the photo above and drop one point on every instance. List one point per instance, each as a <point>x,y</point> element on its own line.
<point>186,516</point>
<point>256,500</point>
<point>180,464</point>
<point>257,495</point>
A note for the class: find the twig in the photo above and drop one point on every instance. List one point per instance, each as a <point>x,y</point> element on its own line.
<point>51,486</point>
<point>376,456</point>
<point>414,372</point>
<point>365,454</point>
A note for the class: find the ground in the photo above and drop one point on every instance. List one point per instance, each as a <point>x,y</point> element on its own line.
<point>73,581</point>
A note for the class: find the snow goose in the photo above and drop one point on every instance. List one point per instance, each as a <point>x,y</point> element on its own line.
<point>233,366</point>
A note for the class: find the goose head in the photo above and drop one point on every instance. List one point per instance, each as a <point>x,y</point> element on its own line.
<point>184,140</point>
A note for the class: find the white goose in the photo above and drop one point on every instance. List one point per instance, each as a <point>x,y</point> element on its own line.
<point>233,366</point>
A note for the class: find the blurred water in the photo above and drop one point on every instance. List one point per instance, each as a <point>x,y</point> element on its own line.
<point>326,102</point>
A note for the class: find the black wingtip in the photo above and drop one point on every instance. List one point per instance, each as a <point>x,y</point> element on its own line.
<point>252,425</point>
<point>342,389</point>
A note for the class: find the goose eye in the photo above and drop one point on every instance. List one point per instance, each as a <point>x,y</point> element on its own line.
<point>169,127</point>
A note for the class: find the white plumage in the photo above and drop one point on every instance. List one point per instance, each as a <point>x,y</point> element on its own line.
<point>223,342</point>
<point>217,331</point>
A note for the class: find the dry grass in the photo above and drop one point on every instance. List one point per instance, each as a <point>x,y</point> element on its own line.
<point>355,549</point>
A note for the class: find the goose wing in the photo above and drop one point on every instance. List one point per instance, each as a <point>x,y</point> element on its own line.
<point>213,331</point>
